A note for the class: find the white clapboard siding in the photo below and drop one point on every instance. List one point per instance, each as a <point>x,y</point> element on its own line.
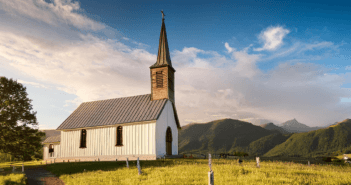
<point>137,140</point>
<point>57,151</point>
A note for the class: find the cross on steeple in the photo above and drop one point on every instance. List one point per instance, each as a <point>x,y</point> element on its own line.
<point>163,15</point>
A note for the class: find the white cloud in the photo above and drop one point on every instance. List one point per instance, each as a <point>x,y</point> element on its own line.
<point>56,13</point>
<point>272,38</point>
<point>229,49</point>
<point>33,84</point>
<point>348,68</point>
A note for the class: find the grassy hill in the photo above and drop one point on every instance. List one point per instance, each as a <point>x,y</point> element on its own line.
<point>264,144</point>
<point>218,136</point>
<point>318,142</point>
<point>271,126</point>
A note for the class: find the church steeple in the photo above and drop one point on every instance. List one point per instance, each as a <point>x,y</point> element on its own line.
<point>162,72</point>
<point>163,57</point>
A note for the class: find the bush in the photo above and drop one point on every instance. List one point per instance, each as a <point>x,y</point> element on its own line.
<point>337,160</point>
<point>327,159</point>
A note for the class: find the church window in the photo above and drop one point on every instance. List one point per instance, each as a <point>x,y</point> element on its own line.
<point>83,139</point>
<point>119,136</point>
<point>159,79</point>
<point>51,150</point>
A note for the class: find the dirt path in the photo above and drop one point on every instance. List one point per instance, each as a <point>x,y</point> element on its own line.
<point>40,176</point>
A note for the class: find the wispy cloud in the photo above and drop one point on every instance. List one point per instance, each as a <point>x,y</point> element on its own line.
<point>272,38</point>
<point>56,13</point>
<point>33,83</point>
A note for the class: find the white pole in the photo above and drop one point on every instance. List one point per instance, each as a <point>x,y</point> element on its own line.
<point>210,178</point>
<point>138,165</point>
<point>258,161</point>
<point>23,167</point>
<point>309,163</point>
<point>127,163</point>
<point>210,173</point>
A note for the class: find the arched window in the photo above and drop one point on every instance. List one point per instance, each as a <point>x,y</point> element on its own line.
<point>51,150</point>
<point>119,139</point>
<point>169,140</point>
<point>83,139</point>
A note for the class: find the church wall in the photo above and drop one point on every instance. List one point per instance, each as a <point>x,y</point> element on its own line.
<point>57,151</point>
<point>166,119</point>
<point>137,140</point>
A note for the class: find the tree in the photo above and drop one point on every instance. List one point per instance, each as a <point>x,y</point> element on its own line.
<point>19,134</point>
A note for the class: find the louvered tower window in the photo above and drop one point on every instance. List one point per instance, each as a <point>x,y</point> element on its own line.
<point>83,139</point>
<point>119,136</point>
<point>159,79</point>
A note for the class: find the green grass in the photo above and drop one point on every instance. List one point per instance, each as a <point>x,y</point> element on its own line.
<point>190,171</point>
<point>14,178</point>
<point>7,177</point>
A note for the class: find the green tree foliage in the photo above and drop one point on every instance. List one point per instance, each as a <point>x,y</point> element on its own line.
<point>19,135</point>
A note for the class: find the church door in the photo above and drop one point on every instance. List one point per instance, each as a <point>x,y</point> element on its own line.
<point>169,141</point>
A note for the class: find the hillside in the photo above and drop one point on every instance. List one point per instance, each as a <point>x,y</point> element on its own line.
<point>218,136</point>
<point>318,142</point>
<point>271,126</point>
<point>264,144</point>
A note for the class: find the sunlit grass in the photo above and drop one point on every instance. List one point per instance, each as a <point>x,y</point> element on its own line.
<point>190,171</point>
<point>14,178</point>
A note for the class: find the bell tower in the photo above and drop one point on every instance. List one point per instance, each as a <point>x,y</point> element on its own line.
<point>162,72</point>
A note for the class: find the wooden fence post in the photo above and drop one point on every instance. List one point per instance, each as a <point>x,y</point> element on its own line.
<point>258,161</point>
<point>13,168</point>
<point>23,167</point>
<point>210,173</point>
<point>138,165</point>
<point>309,163</point>
<point>127,163</point>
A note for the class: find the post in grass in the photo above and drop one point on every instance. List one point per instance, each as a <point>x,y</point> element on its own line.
<point>210,173</point>
<point>258,162</point>
<point>127,163</point>
<point>138,165</point>
<point>23,167</point>
<point>309,163</point>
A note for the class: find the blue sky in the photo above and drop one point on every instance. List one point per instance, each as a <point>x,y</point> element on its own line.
<point>248,60</point>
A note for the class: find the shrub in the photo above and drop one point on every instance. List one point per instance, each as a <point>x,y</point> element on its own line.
<point>327,159</point>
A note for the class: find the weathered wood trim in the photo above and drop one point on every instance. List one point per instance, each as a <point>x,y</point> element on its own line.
<point>115,125</point>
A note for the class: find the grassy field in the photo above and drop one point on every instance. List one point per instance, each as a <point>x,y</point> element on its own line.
<point>189,171</point>
<point>6,177</point>
<point>194,171</point>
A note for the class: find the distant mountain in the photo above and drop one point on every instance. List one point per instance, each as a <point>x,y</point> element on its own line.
<point>218,136</point>
<point>319,142</point>
<point>271,126</point>
<point>294,126</point>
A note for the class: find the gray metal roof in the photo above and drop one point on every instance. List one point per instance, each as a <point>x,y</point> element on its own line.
<point>52,139</point>
<point>115,111</point>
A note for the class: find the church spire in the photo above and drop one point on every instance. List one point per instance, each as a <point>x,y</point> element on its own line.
<point>163,57</point>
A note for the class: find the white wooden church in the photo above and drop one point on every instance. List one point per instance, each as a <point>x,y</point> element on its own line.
<point>144,126</point>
